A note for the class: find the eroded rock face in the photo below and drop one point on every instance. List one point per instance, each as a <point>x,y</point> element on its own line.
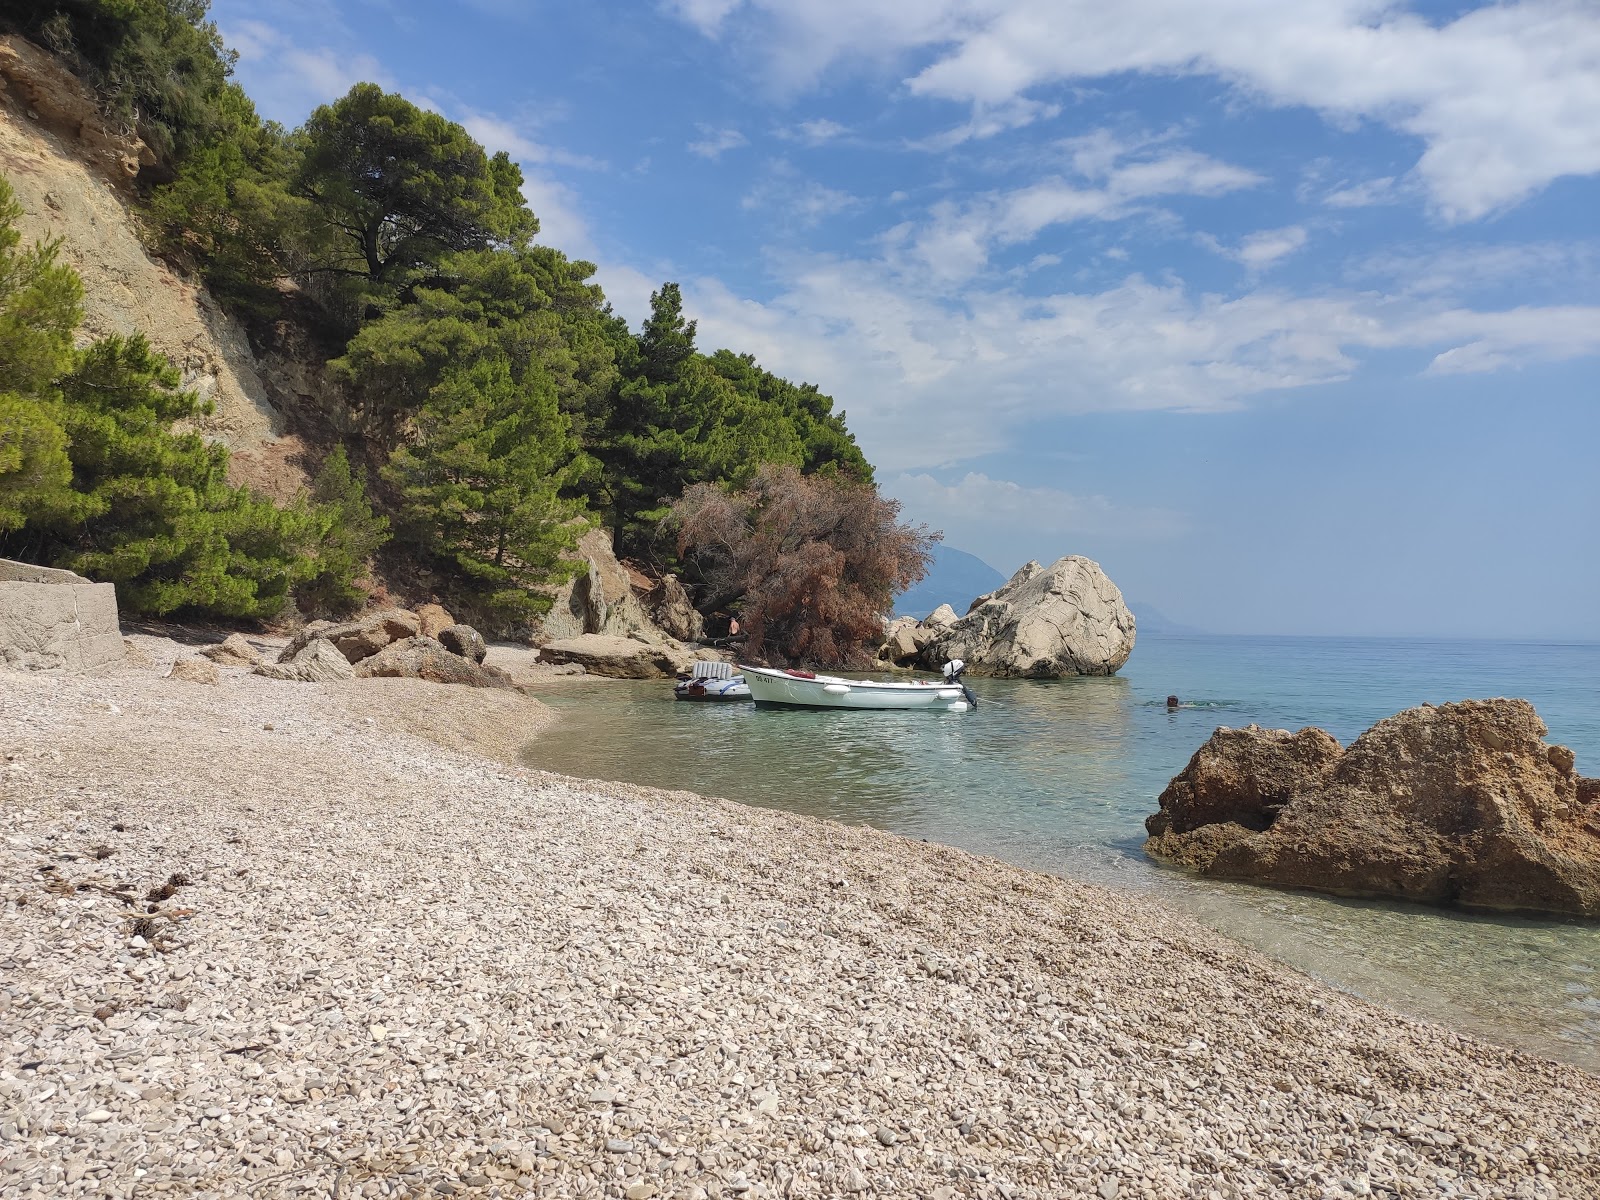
<point>424,658</point>
<point>1045,623</point>
<point>53,620</point>
<point>65,104</point>
<point>465,641</point>
<point>1460,804</point>
<point>674,612</point>
<point>599,600</point>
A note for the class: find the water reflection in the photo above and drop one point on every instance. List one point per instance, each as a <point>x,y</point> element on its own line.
<point>1059,776</point>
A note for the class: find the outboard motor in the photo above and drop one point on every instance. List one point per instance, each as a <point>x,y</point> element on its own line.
<point>952,674</point>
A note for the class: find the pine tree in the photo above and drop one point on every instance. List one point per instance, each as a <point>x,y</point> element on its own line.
<point>481,483</point>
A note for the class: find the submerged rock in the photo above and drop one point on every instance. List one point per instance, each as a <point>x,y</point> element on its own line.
<point>1044,623</point>
<point>1460,804</point>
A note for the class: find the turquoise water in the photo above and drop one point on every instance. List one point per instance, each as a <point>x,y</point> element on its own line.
<point>1060,776</point>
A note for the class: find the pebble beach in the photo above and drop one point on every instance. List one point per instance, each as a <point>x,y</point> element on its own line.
<point>280,939</point>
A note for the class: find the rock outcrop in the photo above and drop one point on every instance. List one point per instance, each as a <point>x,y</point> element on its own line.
<point>599,600</point>
<point>63,103</point>
<point>54,620</point>
<point>674,612</point>
<point>1044,623</point>
<point>424,658</point>
<point>1460,804</point>
<point>357,639</point>
<point>619,657</point>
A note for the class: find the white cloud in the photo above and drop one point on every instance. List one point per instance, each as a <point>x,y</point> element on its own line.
<point>956,240</point>
<point>1365,194</point>
<point>1258,251</point>
<point>815,133</point>
<point>288,80</point>
<point>988,120</point>
<point>715,142</point>
<point>798,201</point>
<point>932,381</point>
<point>974,506</point>
<point>1502,97</point>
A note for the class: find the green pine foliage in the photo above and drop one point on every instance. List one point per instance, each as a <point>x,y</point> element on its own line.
<point>346,534</point>
<point>94,477</point>
<point>481,481</point>
<point>158,66</point>
<point>499,400</point>
<point>156,515</point>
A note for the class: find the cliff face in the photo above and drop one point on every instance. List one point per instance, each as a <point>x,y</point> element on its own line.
<point>69,173</point>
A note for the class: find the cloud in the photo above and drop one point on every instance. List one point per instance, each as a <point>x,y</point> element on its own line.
<point>714,142</point>
<point>798,201</point>
<point>971,508</point>
<point>1365,194</point>
<point>288,80</point>
<point>956,240</point>
<point>988,120</point>
<point>933,378</point>
<point>1502,97</point>
<point>498,133</point>
<point>1258,251</point>
<point>815,132</point>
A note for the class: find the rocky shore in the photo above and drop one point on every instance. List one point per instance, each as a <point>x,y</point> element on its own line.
<point>272,939</point>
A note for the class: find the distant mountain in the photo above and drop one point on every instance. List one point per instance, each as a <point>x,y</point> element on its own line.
<point>1150,620</point>
<point>956,578</point>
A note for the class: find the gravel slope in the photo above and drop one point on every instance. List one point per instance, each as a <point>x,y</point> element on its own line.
<point>385,968</point>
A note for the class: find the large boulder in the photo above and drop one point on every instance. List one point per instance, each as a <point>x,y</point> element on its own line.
<point>618,657</point>
<point>1044,623</point>
<point>318,661</point>
<point>357,639</point>
<point>1460,804</point>
<point>465,641</point>
<point>424,658</point>
<point>54,620</point>
<point>598,600</point>
<point>674,612</point>
<point>433,619</point>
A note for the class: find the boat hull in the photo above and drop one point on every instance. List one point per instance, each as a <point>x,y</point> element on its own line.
<point>781,689</point>
<point>711,690</point>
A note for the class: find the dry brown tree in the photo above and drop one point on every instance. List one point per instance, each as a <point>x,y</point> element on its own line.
<point>813,562</point>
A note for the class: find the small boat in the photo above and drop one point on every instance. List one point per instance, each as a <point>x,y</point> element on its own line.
<point>806,689</point>
<point>711,681</point>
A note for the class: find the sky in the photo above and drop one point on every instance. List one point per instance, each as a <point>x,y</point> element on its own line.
<point>1286,314</point>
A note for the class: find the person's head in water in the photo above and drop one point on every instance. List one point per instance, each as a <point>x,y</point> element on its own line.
<point>1173,702</point>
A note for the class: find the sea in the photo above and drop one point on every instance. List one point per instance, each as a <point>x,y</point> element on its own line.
<point>1060,775</point>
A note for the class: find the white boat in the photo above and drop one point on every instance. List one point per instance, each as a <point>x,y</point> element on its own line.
<point>804,689</point>
<point>711,681</point>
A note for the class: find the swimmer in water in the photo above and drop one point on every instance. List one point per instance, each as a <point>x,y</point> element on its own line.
<point>1173,703</point>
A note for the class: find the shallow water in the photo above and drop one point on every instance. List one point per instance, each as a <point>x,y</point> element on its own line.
<point>1060,776</point>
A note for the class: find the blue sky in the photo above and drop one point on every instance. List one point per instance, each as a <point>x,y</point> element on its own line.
<point>1288,314</point>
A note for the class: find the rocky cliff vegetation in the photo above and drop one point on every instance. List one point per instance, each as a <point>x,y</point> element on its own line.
<point>1460,804</point>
